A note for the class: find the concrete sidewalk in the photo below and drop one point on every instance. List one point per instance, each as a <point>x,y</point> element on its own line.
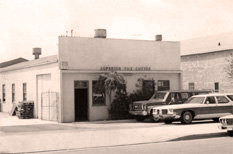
<point>7,120</point>
<point>97,134</point>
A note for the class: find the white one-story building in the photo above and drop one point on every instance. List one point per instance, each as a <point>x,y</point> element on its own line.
<point>61,86</point>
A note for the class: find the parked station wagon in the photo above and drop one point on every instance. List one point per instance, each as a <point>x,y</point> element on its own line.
<point>143,109</point>
<point>227,124</point>
<point>208,106</point>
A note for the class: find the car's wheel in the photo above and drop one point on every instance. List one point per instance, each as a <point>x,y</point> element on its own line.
<point>140,118</point>
<point>230,132</point>
<point>152,119</point>
<point>216,120</point>
<point>168,121</point>
<point>186,117</point>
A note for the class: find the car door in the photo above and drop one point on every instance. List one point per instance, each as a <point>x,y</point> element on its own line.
<point>224,106</point>
<point>231,98</point>
<point>207,109</point>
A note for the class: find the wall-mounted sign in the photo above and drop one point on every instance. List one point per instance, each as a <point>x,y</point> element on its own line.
<point>106,68</point>
<point>64,65</point>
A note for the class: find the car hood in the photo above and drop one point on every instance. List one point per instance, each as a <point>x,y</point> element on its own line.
<point>148,102</point>
<point>179,106</point>
<point>227,117</point>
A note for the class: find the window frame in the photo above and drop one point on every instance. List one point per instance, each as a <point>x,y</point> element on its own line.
<point>209,101</point>
<point>216,87</point>
<point>223,102</point>
<point>24,91</point>
<point>3,93</point>
<point>13,93</point>
<point>162,87</point>
<point>191,86</point>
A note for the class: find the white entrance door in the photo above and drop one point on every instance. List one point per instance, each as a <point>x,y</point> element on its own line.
<point>43,85</point>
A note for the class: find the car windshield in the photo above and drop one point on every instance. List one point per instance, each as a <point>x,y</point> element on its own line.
<point>158,96</point>
<point>195,100</point>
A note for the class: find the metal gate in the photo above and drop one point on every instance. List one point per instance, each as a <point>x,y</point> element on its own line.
<point>49,106</point>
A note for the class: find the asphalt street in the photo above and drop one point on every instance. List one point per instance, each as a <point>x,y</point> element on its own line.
<point>55,137</point>
<point>223,145</point>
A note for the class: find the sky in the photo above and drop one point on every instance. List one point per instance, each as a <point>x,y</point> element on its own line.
<point>25,24</point>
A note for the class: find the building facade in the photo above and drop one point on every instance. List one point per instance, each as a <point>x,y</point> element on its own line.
<point>66,82</point>
<point>206,63</point>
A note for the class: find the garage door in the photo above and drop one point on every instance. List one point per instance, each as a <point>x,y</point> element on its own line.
<point>43,85</point>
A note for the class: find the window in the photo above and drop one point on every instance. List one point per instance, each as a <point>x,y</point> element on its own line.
<point>97,96</point>
<point>195,100</point>
<point>3,93</point>
<point>216,87</point>
<point>80,84</point>
<point>191,86</point>
<point>13,93</point>
<point>210,100</point>
<point>163,85</point>
<point>148,88</point>
<point>24,91</point>
<point>185,95</point>
<point>222,99</point>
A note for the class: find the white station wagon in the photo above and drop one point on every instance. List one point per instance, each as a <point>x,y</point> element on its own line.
<point>199,107</point>
<point>227,124</point>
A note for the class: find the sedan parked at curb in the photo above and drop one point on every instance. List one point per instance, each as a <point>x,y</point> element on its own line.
<point>199,107</point>
<point>143,109</point>
<point>227,124</point>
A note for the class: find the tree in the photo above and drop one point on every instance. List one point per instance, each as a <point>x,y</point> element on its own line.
<point>107,83</point>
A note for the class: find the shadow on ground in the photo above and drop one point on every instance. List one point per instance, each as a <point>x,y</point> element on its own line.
<point>201,136</point>
<point>194,122</point>
<point>34,128</point>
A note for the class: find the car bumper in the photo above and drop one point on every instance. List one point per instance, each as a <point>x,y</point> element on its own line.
<point>141,113</point>
<point>167,116</point>
<point>226,127</point>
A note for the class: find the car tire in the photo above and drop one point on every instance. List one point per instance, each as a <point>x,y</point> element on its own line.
<point>152,119</point>
<point>216,119</point>
<point>140,118</point>
<point>168,121</point>
<point>230,132</point>
<point>186,117</point>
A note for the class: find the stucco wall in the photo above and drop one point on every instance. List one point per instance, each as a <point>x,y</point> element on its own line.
<point>101,112</point>
<point>28,76</point>
<point>83,59</point>
<point>95,112</point>
<point>94,53</point>
<point>206,69</point>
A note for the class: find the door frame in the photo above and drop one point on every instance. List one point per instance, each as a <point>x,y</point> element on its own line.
<point>87,88</point>
<point>37,105</point>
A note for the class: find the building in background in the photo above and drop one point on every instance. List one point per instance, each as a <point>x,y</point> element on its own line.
<point>205,63</point>
<point>61,86</point>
